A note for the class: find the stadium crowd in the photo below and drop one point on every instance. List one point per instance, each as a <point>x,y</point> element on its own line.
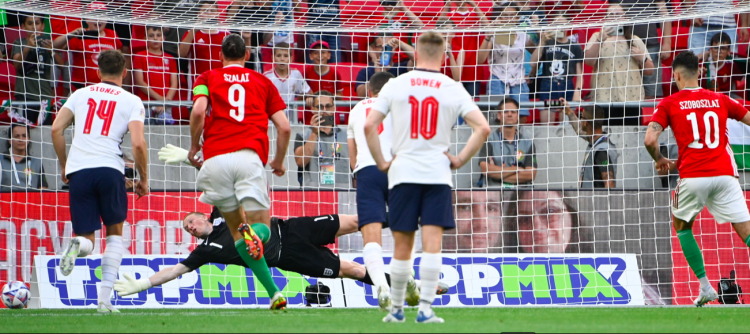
<point>46,58</point>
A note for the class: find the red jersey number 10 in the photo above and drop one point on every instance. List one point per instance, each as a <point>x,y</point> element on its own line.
<point>424,116</point>
<point>105,111</point>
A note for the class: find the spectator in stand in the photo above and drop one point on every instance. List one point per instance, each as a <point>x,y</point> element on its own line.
<point>528,15</point>
<point>323,13</point>
<point>155,74</point>
<point>374,52</point>
<point>454,61</point>
<point>317,151</point>
<point>85,46</point>
<point>203,47</point>
<point>321,76</point>
<point>561,62</point>
<point>704,28</point>
<point>19,171</point>
<point>33,59</point>
<point>254,13</point>
<point>506,52</point>
<point>507,159</point>
<point>467,15</point>
<point>650,36</point>
<point>598,168</point>
<point>620,59</point>
<point>290,82</point>
<point>397,17</point>
<point>719,71</point>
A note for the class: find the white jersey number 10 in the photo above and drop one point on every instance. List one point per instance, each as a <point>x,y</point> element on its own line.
<point>239,103</point>
<point>710,119</point>
<point>424,117</point>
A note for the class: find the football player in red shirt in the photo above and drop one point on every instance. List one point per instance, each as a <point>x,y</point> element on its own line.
<point>708,173</point>
<point>234,141</point>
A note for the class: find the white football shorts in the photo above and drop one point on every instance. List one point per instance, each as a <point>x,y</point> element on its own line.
<point>231,179</point>
<point>721,194</point>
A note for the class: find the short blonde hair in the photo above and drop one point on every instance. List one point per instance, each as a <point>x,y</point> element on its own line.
<point>431,45</point>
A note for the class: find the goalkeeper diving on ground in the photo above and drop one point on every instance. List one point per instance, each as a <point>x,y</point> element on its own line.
<point>295,244</point>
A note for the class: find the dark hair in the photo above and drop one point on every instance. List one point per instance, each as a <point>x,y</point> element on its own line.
<point>687,63</point>
<point>10,136</point>
<point>22,17</point>
<point>111,63</point>
<point>379,80</point>
<point>233,47</point>
<point>581,238</point>
<point>373,39</point>
<point>320,93</point>
<point>497,10</point>
<point>721,38</point>
<point>505,101</point>
<point>597,116</point>
<point>154,28</point>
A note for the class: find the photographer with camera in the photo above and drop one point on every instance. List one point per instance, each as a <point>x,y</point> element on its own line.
<point>33,59</point>
<point>317,150</point>
<point>620,60</point>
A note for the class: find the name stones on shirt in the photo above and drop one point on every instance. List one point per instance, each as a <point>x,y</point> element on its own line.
<point>105,90</point>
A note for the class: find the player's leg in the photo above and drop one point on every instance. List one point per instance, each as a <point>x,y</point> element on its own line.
<point>86,219</point>
<point>743,231</point>
<point>437,215</point>
<point>689,200</point>
<point>113,205</point>
<point>372,195</point>
<point>728,204</point>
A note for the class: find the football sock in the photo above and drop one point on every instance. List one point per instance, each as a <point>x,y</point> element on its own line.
<point>259,267</point>
<point>368,280</point>
<point>262,230</point>
<point>373,256</point>
<point>692,252</point>
<point>111,260</point>
<point>86,246</point>
<point>400,273</point>
<point>747,241</point>
<point>705,284</point>
<point>429,273</point>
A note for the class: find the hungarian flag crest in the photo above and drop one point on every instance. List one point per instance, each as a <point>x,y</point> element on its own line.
<point>739,139</point>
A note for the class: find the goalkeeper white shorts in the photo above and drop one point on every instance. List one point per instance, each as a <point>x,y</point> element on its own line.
<point>231,179</point>
<point>721,194</point>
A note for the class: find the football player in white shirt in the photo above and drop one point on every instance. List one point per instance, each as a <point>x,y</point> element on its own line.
<point>424,105</point>
<point>103,114</point>
<point>288,81</point>
<point>372,191</point>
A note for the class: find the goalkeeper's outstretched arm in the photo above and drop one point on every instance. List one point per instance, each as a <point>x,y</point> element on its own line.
<point>130,285</point>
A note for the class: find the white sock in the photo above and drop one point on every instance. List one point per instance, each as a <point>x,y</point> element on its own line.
<point>373,254</point>
<point>429,273</point>
<point>110,266</point>
<point>705,284</point>
<point>400,273</point>
<point>86,246</point>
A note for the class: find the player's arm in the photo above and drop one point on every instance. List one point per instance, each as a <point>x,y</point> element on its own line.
<point>130,286</point>
<point>283,134</point>
<point>481,128</point>
<point>197,120</point>
<point>62,121</point>
<point>374,119</point>
<point>651,142</point>
<point>140,155</point>
<point>186,43</point>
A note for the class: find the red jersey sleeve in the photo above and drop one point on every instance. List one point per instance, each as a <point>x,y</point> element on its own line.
<point>172,64</point>
<point>75,44</point>
<point>201,86</point>
<point>734,109</point>
<point>274,102</point>
<point>661,114</point>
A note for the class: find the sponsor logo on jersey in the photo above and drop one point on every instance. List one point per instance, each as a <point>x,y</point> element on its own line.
<point>328,272</point>
<point>216,245</point>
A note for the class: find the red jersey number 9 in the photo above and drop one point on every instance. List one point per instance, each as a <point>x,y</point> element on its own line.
<point>237,91</point>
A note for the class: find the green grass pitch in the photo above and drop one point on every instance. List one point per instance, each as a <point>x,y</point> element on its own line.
<point>575,319</point>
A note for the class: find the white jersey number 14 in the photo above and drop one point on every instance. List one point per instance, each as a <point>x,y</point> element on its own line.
<point>105,112</point>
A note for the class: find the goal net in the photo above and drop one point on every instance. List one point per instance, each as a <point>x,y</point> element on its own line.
<point>545,213</point>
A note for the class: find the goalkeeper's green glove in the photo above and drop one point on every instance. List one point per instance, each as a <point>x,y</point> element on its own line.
<point>130,286</point>
<point>173,155</point>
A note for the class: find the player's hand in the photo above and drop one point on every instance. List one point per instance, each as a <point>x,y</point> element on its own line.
<point>173,155</point>
<point>64,177</point>
<point>130,285</point>
<point>277,167</point>
<point>141,188</point>
<point>192,156</point>
<point>698,22</point>
<point>456,162</point>
<point>385,166</point>
<point>664,165</point>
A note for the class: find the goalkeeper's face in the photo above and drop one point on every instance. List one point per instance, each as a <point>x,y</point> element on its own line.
<point>197,225</point>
